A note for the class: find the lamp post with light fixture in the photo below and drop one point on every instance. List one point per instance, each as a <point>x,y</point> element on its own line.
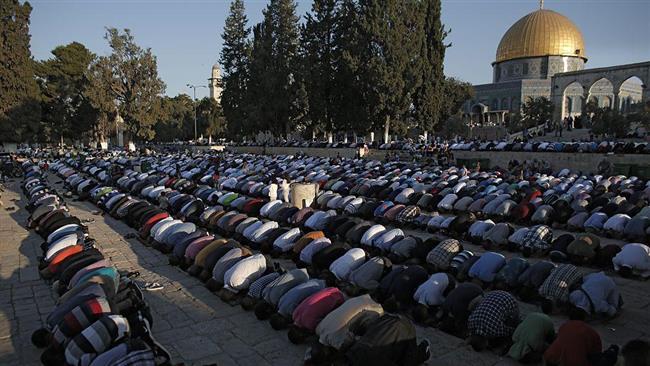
<point>193,87</point>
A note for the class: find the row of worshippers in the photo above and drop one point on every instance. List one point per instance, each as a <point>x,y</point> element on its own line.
<point>235,267</point>
<point>100,317</point>
<point>402,214</point>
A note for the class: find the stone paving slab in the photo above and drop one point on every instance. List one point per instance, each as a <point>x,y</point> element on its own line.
<point>192,323</point>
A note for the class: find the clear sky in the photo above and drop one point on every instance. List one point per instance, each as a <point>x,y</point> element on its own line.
<point>185,35</point>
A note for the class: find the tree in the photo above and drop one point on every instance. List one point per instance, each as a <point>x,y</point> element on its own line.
<point>537,111</point>
<point>130,77</point>
<point>606,121</point>
<point>273,86</point>
<point>455,93</point>
<point>453,126</point>
<point>235,59</point>
<point>285,35</point>
<point>177,119</point>
<point>350,105</point>
<point>210,118</point>
<point>19,98</point>
<point>641,114</point>
<point>591,107</point>
<point>429,98</point>
<point>258,101</point>
<point>67,112</point>
<point>392,32</point>
<point>317,43</point>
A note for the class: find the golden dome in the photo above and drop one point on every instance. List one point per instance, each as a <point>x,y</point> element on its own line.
<point>541,33</point>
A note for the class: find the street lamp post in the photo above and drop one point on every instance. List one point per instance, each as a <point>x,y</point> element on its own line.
<point>193,87</point>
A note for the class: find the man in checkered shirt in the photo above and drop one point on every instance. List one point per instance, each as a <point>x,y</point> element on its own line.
<point>557,286</point>
<point>493,320</point>
<point>537,240</point>
<point>440,257</point>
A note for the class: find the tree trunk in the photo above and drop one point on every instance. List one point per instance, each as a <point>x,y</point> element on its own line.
<point>386,129</point>
<point>345,138</point>
<point>426,136</point>
<point>330,137</point>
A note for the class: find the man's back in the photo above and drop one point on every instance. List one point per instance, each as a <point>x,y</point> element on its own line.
<point>575,341</point>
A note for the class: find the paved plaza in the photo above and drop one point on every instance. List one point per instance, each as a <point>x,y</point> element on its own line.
<point>194,324</point>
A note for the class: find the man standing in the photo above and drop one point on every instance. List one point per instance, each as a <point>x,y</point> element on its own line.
<point>273,191</point>
<point>285,190</point>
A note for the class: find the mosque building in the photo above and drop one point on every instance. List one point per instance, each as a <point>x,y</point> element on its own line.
<point>544,55</point>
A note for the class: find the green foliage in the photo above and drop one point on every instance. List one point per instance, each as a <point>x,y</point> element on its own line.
<point>350,111</point>
<point>357,66</point>
<point>537,111</point>
<point>234,58</point>
<point>534,112</point>
<point>67,112</point>
<point>210,118</point>
<point>517,123</point>
<point>257,98</point>
<point>431,101</point>
<point>640,114</point>
<point>455,93</point>
<point>606,121</point>
<point>20,112</point>
<point>318,68</point>
<point>127,82</point>
<point>273,86</point>
<point>591,107</point>
<point>392,32</point>
<point>177,119</point>
<point>453,126</point>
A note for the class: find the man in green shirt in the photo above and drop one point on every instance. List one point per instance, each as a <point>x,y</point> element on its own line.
<point>531,338</point>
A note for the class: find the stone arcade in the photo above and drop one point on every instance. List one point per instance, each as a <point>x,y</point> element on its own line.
<point>543,55</point>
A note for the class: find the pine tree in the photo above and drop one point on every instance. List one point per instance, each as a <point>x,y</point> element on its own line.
<point>20,112</point>
<point>428,100</point>
<point>273,88</point>
<point>260,83</point>
<point>234,59</point>
<point>285,36</point>
<point>317,43</point>
<point>349,105</point>
<point>391,30</point>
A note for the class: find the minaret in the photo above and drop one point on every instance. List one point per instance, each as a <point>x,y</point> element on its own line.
<point>215,83</point>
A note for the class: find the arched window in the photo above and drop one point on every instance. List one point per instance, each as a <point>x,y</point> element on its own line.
<point>504,104</point>
<point>495,104</point>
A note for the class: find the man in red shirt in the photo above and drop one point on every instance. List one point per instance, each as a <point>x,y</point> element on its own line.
<point>575,342</point>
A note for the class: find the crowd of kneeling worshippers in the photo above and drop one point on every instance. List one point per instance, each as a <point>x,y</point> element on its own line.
<point>100,316</point>
<point>382,246</point>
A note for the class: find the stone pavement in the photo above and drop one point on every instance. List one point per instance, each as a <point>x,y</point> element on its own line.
<point>192,323</point>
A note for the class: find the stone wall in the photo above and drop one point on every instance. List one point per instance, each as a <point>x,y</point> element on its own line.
<point>628,164</point>
<point>310,151</point>
<point>583,162</point>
